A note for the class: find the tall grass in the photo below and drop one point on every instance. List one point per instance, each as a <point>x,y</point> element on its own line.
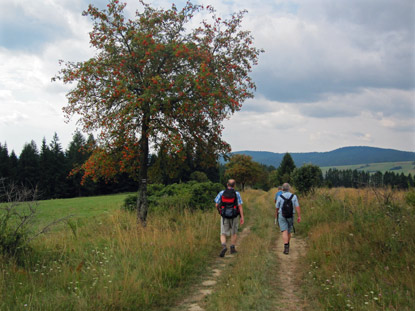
<point>361,250</point>
<point>110,263</point>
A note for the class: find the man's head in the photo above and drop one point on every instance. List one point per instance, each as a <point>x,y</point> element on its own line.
<point>279,187</point>
<point>286,187</point>
<point>231,183</point>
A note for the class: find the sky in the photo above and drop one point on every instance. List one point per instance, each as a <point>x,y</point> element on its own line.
<point>333,74</point>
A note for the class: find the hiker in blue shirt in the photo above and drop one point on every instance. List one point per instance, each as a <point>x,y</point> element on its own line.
<point>278,193</point>
<point>286,222</point>
<point>275,201</point>
<point>229,204</point>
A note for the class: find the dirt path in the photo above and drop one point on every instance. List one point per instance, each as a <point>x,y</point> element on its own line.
<point>207,283</point>
<point>288,277</point>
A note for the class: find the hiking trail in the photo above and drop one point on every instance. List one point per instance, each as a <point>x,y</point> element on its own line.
<point>288,276</point>
<point>286,268</point>
<point>206,284</point>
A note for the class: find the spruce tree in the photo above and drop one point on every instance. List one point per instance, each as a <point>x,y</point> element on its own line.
<point>285,169</point>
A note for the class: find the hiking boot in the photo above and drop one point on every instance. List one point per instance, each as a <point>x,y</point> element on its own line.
<point>223,252</point>
<point>233,250</point>
<point>286,249</point>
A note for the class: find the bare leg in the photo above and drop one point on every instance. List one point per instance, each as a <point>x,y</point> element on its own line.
<point>223,239</point>
<point>233,239</point>
<point>286,237</point>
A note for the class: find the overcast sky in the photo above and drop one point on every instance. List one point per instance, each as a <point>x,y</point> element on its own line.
<point>334,73</point>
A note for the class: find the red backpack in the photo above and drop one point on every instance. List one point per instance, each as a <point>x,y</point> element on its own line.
<point>228,207</point>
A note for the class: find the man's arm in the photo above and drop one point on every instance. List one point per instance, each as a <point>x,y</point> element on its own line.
<point>277,208</point>
<point>298,209</point>
<point>241,212</point>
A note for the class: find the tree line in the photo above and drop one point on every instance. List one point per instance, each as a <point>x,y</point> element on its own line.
<point>50,170</point>
<point>57,173</point>
<point>360,179</point>
<point>308,176</point>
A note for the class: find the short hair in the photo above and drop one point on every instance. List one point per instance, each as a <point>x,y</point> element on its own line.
<point>286,187</point>
<point>231,183</point>
<point>279,187</point>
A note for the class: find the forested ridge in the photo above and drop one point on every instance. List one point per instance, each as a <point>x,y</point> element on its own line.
<point>341,156</point>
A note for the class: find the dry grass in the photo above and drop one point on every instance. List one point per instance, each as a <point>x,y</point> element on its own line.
<point>361,250</point>
<point>112,264</point>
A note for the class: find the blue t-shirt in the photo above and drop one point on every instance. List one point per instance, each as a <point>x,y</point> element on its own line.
<point>277,195</point>
<point>280,201</point>
<point>219,196</point>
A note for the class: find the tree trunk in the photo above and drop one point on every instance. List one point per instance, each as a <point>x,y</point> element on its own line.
<point>142,202</point>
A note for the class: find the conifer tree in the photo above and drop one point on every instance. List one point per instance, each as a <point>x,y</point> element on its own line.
<point>285,169</point>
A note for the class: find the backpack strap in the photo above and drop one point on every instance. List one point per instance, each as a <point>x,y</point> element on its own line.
<point>289,199</point>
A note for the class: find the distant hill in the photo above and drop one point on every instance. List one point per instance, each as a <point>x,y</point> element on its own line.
<point>338,157</point>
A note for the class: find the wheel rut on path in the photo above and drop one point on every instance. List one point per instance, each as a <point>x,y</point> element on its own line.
<point>288,274</point>
<point>206,286</point>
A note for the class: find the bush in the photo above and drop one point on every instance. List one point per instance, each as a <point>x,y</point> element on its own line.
<point>191,195</point>
<point>18,213</point>
<point>199,177</point>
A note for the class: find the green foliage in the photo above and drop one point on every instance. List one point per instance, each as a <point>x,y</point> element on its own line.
<point>199,176</point>
<point>274,178</point>
<point>410,197</point>
<point>245,171</point>
<point>285,169</point>
<point>191,195</point>
<point>307,178</point>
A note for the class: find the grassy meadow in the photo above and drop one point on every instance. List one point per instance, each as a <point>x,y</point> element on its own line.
<point>360,256</point>
<point>361,249</point>
<point>108,262</point>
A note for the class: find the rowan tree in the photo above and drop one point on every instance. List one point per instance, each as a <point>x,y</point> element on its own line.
<point>157,80</point>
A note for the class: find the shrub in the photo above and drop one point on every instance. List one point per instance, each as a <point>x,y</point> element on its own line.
<point>18,212</point>
<point>199,176</point>
<point>191,195</point>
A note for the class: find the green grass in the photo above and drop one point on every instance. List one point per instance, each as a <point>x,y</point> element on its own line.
<point>407,167</point>
<point>110,263</point>
<point>84,207</point>
<point>361,250</point>
<point>360,256</point>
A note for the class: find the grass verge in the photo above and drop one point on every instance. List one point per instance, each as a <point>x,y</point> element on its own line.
<point>361,250</point>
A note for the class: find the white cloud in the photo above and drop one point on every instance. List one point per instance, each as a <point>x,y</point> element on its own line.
<point>334,73</point>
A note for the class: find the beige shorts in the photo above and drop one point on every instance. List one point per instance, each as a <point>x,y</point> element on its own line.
<point>229,226</point>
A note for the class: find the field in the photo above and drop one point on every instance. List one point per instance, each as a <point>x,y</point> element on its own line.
<point>360,255</point>
<point>396,167</point>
